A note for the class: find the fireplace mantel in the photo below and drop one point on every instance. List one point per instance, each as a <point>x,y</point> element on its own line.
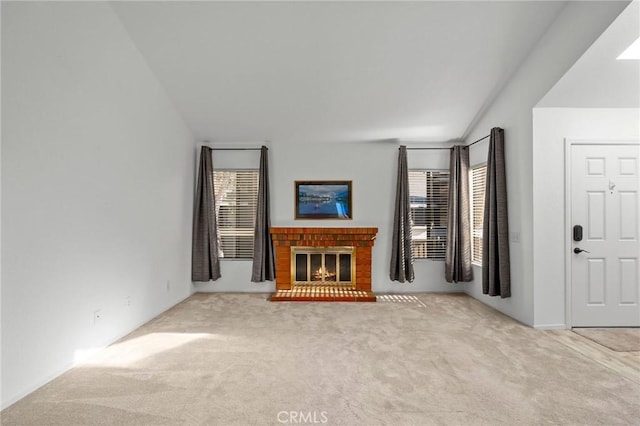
<point>361,239</point>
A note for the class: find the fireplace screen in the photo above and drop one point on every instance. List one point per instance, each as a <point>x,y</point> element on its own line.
<point>326,265</point>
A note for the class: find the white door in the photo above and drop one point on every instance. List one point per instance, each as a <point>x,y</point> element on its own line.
<point>605,278</point>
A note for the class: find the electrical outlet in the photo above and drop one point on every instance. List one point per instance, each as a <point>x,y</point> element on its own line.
<point>97,315</point>
<point>168,288</point>
<point>127,301</point>
<point>515,237</point>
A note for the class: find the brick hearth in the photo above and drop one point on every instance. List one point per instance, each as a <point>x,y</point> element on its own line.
<point>362,239</point>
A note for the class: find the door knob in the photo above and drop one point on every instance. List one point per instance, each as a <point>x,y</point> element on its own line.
<point>578,250</point>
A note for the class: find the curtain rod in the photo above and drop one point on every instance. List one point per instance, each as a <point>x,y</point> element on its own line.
<point>235,149</point>
<point>466,146</point>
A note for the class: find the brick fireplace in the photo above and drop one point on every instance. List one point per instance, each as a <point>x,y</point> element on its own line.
<point>346,250</point>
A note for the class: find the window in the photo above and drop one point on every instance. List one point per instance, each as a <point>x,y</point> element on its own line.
<point>478,174</point>
<point>428,194</point>
<point>236,201</point>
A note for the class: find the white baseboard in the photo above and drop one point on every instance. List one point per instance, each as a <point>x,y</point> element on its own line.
<point>15,398</point>
<point>550,327</point>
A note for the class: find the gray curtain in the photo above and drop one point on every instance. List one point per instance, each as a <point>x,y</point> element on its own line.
<point>205,265</point>
<point>496,280</point>
<point>401,255</point>
<point>458,259</point>
<point>263,258</point>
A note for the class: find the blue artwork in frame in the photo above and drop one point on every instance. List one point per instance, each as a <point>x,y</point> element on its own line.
<point>328,199</point>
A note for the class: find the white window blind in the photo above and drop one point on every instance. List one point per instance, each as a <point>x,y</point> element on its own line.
<point>236,201</point>
<point>428,193</point>
<point>478,174</point>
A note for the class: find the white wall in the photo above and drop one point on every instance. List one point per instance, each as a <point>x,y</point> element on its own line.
<point>575,28</point>
<point>551,127</point>
<point>97,189</point>
<point>1,209</point>
<point>587,91</point>
<point>372,166</point>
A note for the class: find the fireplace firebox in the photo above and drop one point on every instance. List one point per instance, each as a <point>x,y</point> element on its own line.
<point>322,265</point>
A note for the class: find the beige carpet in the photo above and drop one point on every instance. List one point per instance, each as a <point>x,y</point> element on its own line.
<point>617,339</point>
<point>233,359</point>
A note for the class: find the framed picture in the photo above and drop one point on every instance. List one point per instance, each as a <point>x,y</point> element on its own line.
<point>323,199</point>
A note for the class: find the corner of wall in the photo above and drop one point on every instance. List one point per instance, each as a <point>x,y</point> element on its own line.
<point>574,30</point>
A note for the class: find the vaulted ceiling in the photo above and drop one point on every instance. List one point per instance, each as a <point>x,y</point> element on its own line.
<point>334,71</point>
<point>612,82</point>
